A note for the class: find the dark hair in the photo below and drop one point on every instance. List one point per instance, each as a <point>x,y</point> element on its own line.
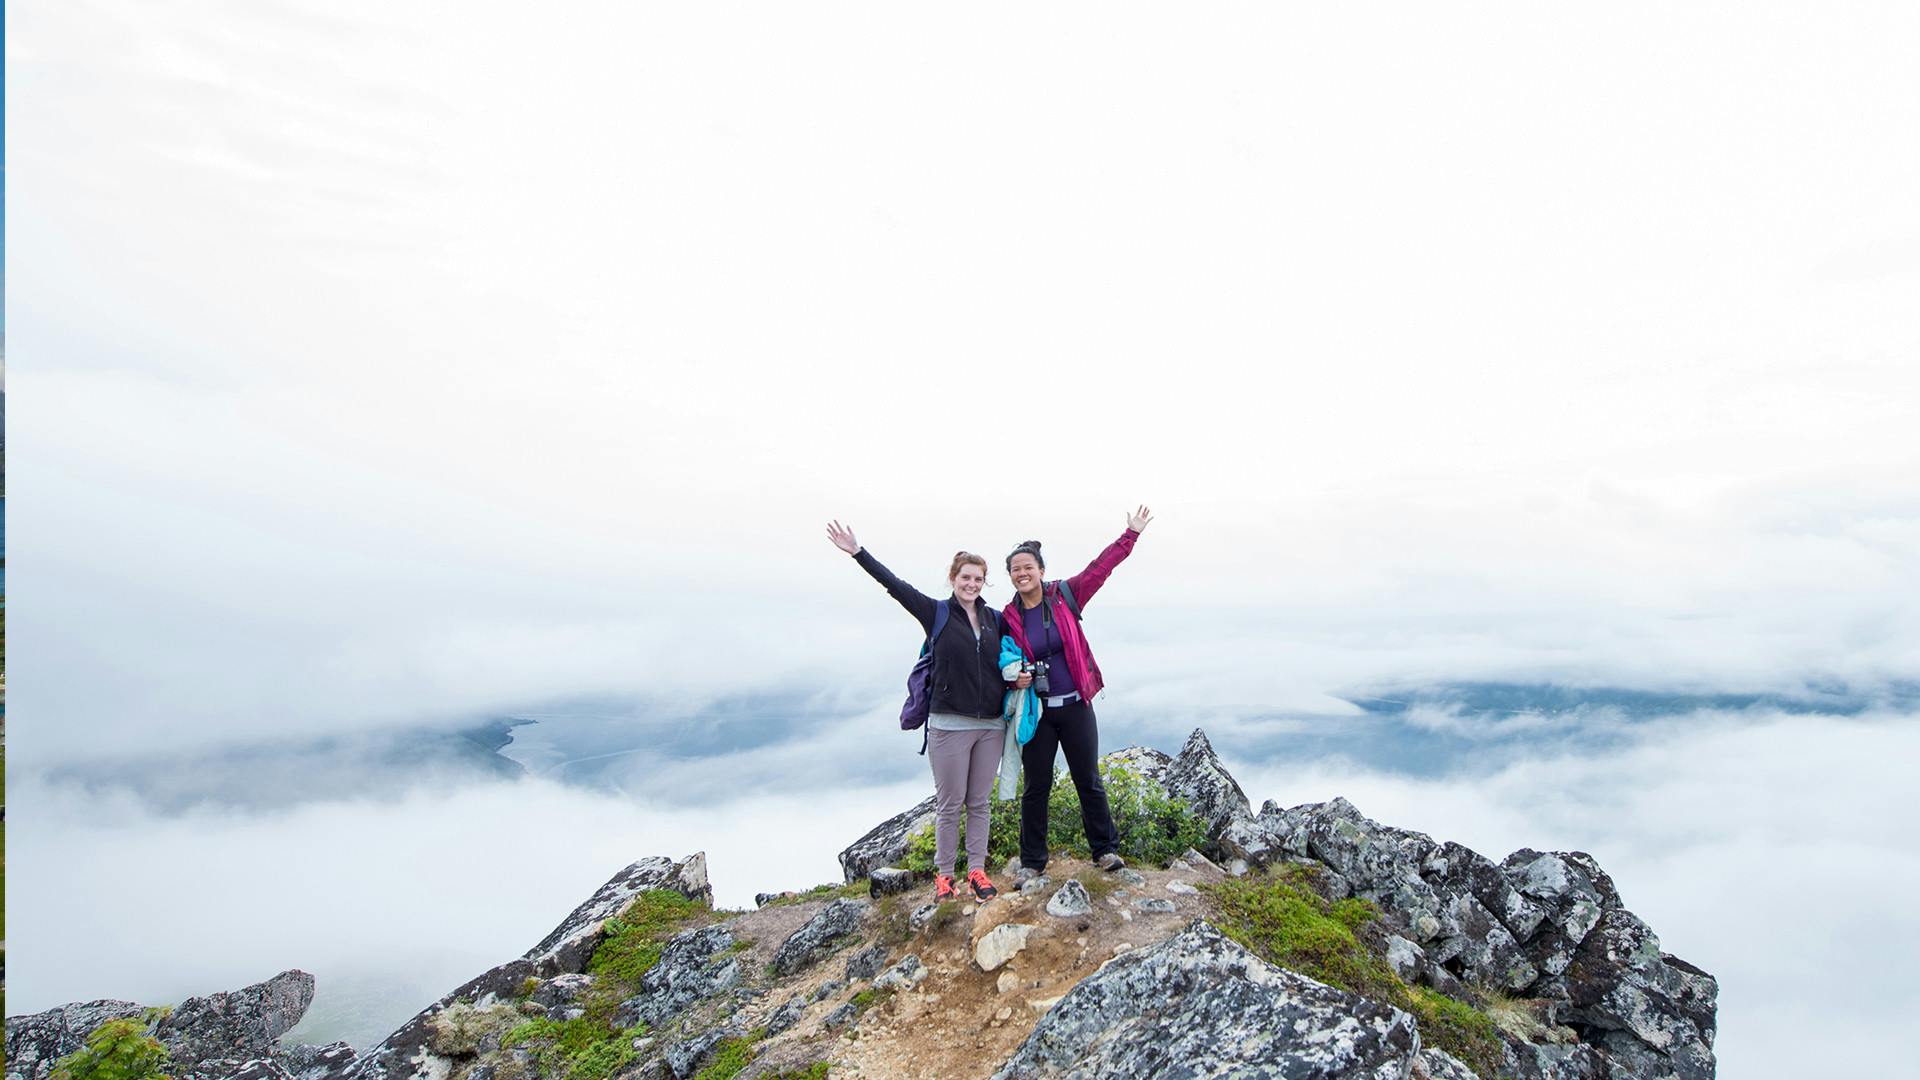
<point>1026,547</point>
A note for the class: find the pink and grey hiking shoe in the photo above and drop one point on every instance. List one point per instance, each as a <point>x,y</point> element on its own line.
<point>943,888</point>
<point>983,889</point>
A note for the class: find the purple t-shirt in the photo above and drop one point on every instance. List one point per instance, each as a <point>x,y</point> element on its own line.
<point>1043,637</point>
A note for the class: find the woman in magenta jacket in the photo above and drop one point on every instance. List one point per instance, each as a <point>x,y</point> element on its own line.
<point>1043,622</point>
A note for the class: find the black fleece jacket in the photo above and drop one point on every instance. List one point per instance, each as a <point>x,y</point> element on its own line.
<point>966,672</point>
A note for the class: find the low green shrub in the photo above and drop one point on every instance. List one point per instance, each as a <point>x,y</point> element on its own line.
<point>727,1059</point>
<point>1153,826</point>
<point>633,939</point>
<point>116,1050</point>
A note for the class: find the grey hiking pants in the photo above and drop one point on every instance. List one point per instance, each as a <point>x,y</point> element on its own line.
<point>964,764</point>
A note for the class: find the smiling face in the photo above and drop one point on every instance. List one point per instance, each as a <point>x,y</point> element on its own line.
<point>967,580</point>
<point>1026,571</point>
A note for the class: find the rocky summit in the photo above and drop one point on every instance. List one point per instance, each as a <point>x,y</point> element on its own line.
<point>1299,942</point>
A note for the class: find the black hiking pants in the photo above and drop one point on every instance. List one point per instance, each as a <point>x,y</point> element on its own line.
<point>1070,728</point>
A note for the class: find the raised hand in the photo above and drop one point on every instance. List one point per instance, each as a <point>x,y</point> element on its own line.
<point>842,538</point>
<point>1139,519</point>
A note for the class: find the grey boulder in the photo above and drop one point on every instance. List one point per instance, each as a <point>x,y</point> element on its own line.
<point>1200,1005</point>
<point>886,843</point>
<point>821,935</point>
<point>694,965</point>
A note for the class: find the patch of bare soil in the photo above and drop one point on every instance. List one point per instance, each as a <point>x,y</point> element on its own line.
<point>962,1022</point>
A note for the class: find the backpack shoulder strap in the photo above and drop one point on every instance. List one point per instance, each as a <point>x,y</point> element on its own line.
<point>1066,593</point>
<point>939,624</point>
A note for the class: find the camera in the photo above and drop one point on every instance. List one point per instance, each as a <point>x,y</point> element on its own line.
<point>1038,669</point>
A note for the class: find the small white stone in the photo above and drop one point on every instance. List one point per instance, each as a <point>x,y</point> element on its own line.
<point>1000,945</point>
<point>1008,982</point>
<point>1043,1004</point>
<point>1125,915</point>
<point>1182,888</point>
<point>1005,1013</point>
<point>1124,946</point>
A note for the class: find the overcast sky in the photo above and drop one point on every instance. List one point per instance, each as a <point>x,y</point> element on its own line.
<point>382,364</point>
<point>377,362</point>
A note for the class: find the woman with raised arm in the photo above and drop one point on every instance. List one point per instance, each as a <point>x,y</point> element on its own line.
<point>1044,620</point>
<point>966,732</point>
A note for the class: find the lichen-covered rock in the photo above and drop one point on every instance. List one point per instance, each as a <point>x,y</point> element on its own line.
<point>206,1036</point>
<point>308,1062</point>
<point>905,975</point>
<point>685,1057</point>
<point>1436,1064</point>
<point>887,880</point>
<point>1405,958</point>
<point>1200,1005</point>
<point>1214,796</point>
<point>237,1025</point>
<point>1459,869</point>
<point>233,1069</point>
<point>569,946</point>
<point>37,1040</point>
<point>405,1053</point>
<point>1261,840</point>
<point>560,995</point>
<point>886,843</point>
<point>1481,945</point>
<point>821,935</point>
<point>866,963</point>
<point>1153,905</point>
<point>785,1017</point>
<point>694,965</point>
<point>1650,1010</point>
<point>1070,901</point>
<point>1556,1061</point>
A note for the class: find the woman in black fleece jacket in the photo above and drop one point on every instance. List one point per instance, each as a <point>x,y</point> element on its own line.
<point>965,727</point>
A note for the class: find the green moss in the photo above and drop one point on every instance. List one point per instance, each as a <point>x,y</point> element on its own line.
<point>1153,826</point>
<point>727,1059</point>
<point>633,939</point>
<point>816,1071</point>
<point>584,1048</point>
<point>591,1046</point>
<point>1458,1028</point>
<point>1288,924</point>
<point>822,892</point>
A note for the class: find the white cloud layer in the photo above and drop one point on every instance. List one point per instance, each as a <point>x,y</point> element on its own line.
<point>382,363</point>
<point>1761,847</point>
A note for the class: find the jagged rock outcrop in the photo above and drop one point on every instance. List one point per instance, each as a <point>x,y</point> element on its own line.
<point>1525,926</point>
<point>1118,974</point>
<point>1199,1004</point>
<point>406,1052</point>
<point>694,965</point>
<point>37,1040</point>
<point>822,934</point>
<point>886,843</point>
<point>1198,777</point>
<point>242,1024</point>
<point>206,1037</point>
<point>570,943</point>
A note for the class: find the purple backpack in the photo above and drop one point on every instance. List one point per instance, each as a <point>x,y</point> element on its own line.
<point>920,680</point>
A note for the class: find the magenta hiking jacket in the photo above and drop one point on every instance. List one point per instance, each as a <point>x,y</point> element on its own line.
<point>1073,642</point>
